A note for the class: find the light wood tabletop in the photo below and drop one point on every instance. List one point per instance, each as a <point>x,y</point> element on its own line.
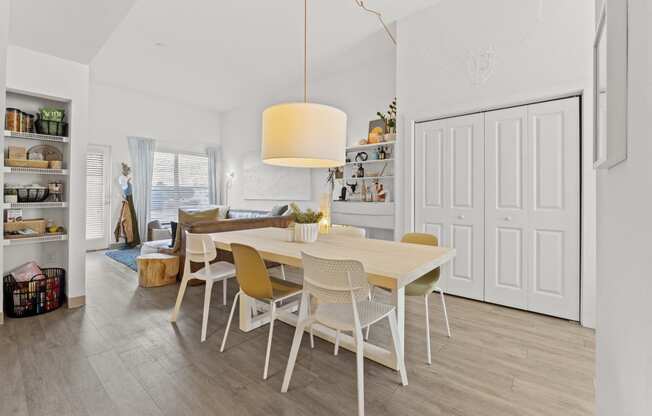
<point>389,264</point>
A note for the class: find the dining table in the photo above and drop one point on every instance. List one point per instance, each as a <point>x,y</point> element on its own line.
<point>391,265</point>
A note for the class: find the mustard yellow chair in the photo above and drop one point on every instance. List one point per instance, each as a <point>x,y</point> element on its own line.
<point>425,285</point>
<point>255,282</point>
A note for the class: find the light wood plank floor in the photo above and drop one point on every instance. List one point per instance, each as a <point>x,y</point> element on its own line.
<point>119,355</point>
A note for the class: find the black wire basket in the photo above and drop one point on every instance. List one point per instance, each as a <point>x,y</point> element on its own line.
<point>44,293</point>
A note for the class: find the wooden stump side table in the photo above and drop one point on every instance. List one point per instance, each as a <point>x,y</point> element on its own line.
<point>157,269</point>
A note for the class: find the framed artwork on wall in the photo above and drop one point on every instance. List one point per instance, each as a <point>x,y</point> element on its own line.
<point>610,85</point>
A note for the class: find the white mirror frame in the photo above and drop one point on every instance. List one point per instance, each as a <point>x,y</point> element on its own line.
<point>610,148</point>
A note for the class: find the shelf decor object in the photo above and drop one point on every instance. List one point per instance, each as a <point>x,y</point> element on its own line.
<point>305,135</point>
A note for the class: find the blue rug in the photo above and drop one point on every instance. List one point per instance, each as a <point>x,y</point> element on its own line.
<point>125,256</point>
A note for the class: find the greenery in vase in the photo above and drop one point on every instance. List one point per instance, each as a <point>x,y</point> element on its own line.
<point>304,217</point>
<point>390,117</point>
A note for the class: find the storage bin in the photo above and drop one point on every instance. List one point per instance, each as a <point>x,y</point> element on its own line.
<point>37,225</point>
<point>54,128</point>
<point>44,293</point>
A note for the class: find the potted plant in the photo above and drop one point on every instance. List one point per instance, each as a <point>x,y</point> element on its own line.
<point>390,121</point>
<point>306,224</point>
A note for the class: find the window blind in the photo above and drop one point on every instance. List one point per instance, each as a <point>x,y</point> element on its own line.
<point>95,193</point>
<point>179,180</point>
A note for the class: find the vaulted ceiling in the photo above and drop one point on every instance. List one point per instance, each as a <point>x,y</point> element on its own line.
<point>210,53</point>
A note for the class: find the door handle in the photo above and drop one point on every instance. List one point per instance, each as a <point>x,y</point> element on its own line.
<point>460,217</point>
<point>508,218</point>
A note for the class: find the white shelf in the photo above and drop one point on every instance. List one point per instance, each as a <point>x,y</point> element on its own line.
<point>371,161</point>
<point>34,240</point>
<point>36,171</point>
<point>15,205</point>
<point>369,146</point>
<point>36,136</point>
<point>366,178</point>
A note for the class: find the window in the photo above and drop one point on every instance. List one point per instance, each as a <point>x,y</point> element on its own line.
<point>96,213</point>
<point>179,180</point>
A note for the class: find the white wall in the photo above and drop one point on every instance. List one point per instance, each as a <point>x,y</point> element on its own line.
<point>360,90</point>
<point>4,38</point>
<point>37,73</point>
<point>624,325</point>
<point>116,113</point>
<point>541,49</point>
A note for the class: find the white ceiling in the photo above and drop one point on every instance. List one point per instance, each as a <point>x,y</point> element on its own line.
<point>69,29</point>
<point>210,53</point>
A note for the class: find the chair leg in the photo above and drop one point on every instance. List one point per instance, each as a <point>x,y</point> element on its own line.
<point>283,271</point>
<point>296,342</point>
<point>397,348</point>
<point>371,297</point>
<point>425,298</point>
<point>336,350</point>
<point>443,303</point>
<point>312,339</point>
<point>272,313</point>
<point>228,324</point>
<point>224,290</point>
<point>207,303</point>
<point>182,291</point>
<point>359,355</point>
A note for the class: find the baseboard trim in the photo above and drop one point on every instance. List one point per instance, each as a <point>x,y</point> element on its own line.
<point>76,302</point>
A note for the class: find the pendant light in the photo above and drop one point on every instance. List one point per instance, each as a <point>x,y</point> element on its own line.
<point>306,135</point>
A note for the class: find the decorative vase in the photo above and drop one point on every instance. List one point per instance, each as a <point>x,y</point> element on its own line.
<point>306,233</point>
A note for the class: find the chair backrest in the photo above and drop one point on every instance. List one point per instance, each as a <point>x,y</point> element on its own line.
<point>426,240</point>
<point>251,272</point>
<point>333,281</point>
<point>420,238</point>
<point>348,231</point>
<point>200,248</point>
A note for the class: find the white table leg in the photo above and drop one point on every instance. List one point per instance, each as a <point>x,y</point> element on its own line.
<point>398,300</point>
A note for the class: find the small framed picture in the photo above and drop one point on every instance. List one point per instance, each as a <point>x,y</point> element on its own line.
<point>376,131</point>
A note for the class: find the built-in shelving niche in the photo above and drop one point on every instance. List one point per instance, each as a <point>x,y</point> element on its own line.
<point>49,250</point>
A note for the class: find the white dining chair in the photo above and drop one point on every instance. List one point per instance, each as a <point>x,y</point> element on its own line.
<point>349,231</point>
<point>200,248</point>
<point>341,289</point>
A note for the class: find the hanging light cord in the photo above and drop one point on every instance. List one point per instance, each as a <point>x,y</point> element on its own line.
<point>363,6</point>
<point>305,51</point>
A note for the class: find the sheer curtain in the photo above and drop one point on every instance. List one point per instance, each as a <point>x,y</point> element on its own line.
<point>214,174</point>
<point>141,151</point>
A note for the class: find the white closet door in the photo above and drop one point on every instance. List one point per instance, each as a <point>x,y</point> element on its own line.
<point>554,190</point>
<point>532,207</point>
<point>449,166</point>
<point>506,207</point>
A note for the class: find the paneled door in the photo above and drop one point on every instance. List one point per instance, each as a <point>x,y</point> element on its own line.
<point>554,268</point>
<point>532,216</point>
<point>97,197</point>
<point>506,207</point>
<point>449,196</point>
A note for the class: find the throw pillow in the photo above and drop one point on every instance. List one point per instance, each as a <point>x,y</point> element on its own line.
<point>224,210</point>
<point>190,217</point>
<point>279,210</point>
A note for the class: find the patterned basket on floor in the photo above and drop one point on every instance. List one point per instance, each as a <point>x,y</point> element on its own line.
<point>44,293</point>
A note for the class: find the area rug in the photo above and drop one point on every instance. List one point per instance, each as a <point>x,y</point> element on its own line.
<point>125,256</point>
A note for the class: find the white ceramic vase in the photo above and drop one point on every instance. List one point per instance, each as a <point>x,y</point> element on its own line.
<point>306,233</point>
